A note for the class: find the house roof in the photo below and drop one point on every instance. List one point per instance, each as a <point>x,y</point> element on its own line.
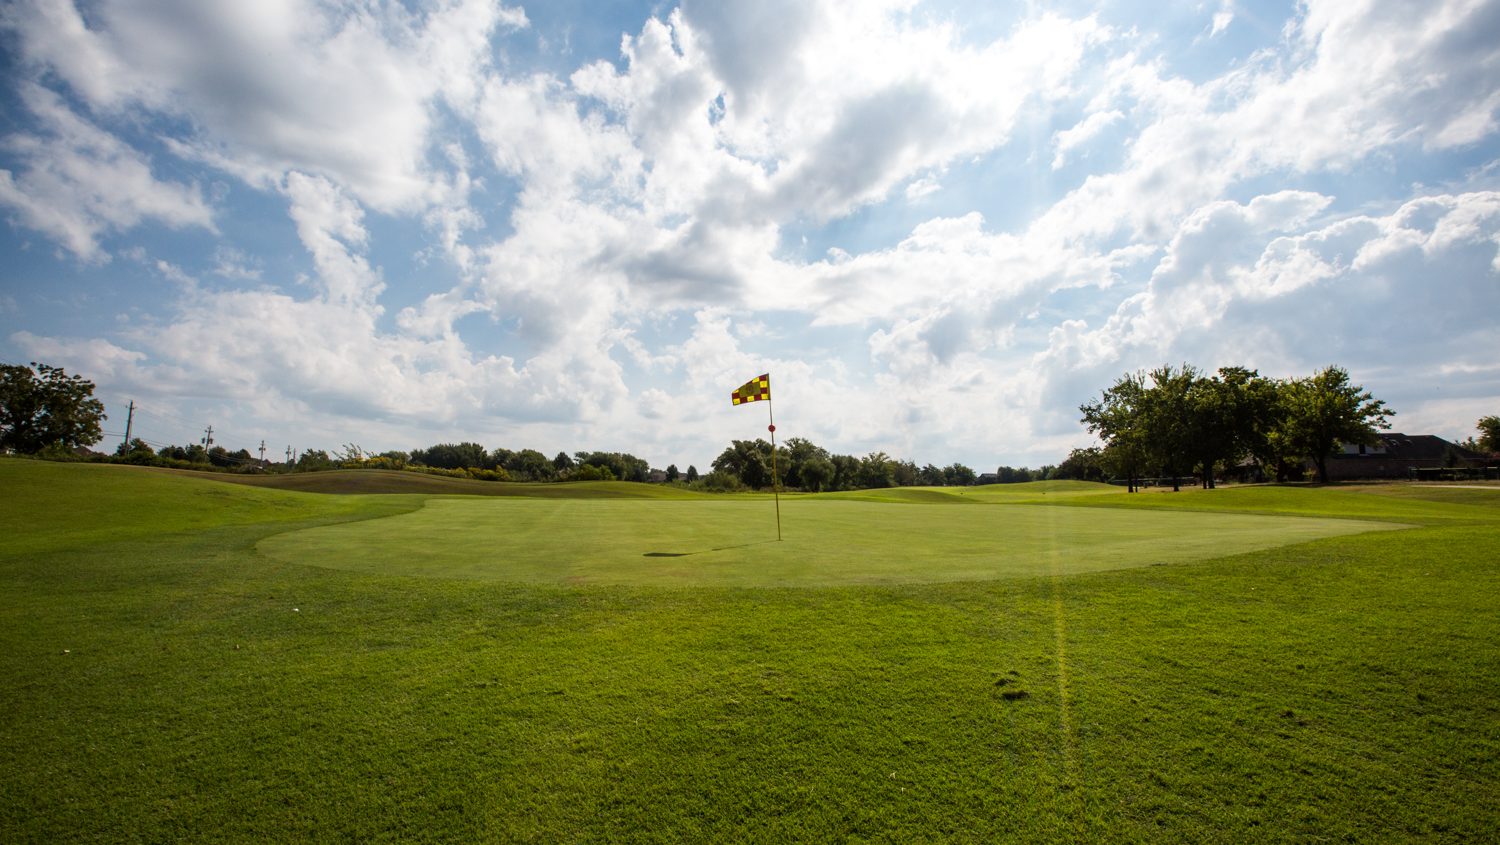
<point>1424,447</point>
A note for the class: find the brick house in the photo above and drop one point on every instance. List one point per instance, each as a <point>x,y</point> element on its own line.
<point>1398,455</point>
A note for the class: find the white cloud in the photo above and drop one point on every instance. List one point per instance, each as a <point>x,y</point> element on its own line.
<point>341,90</point>
<point>1252,284</point>
<point>331,226</point>
<point>1070,139</point>
<point>78,183</point>
<point>1354,79</point>
<point>1223,17</point>
<point>670,188</point>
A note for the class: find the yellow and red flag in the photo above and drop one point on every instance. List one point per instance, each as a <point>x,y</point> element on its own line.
<point>753,390</point>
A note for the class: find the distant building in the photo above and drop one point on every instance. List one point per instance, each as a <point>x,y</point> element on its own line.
<point>987,478</point>
<point>1402,456</point>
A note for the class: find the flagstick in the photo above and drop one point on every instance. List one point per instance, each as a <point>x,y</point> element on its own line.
<point>775,481</point>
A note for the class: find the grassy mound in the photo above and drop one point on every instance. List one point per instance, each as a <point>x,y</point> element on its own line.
<point>367,481</point>
<point>52,505</point>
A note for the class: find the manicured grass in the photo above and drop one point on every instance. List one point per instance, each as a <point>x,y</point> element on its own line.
<point>50,505</point>
<point>1388,502</point>
<point>181,686</point>
<point>732,542</point>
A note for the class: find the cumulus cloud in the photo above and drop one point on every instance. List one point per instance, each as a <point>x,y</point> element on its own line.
<point>1253,284</point>
<point>1353,79</point>
<point>341,90</point>
<point>581,211</point>
<point>77,182</point>
<point>1069,139</point>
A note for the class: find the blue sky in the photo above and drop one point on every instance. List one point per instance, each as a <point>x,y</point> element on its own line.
<point>580,225</point>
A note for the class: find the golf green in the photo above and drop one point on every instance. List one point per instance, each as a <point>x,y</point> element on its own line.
<point>733,542</point>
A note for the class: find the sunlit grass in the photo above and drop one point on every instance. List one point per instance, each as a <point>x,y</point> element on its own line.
<point>167,682</point>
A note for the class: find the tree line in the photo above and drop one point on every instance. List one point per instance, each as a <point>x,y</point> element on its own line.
<point>1178,421</point>
<point>801,464</point>
<point>508,465</point>
<point>1170,422</point>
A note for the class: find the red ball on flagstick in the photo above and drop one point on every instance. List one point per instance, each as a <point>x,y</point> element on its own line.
<point>771,428</point>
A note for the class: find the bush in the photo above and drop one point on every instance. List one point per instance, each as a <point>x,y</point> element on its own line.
<point>591,472</point>
<point>719,481</point>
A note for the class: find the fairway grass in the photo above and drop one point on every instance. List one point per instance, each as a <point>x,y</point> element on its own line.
<point>731,542</point>
<point>172,674</point>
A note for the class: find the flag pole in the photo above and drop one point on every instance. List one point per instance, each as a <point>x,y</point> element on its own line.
<point>775,480</point>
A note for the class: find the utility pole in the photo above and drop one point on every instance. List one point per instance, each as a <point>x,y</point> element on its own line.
<point>288,454</point>
<point>208,437</point>
<point>129,418</point>
<point>262,451</point>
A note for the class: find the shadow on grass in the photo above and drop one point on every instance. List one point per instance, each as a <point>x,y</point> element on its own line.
<point>705,551</point>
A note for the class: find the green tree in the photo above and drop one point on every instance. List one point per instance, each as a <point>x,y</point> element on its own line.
<point>531,465</point>
<point>672,473</point>
<point>1082,464</point>
<point>500,457</point>
<point>845,472</point>
<point>1489,434</point>
<point>816,473</point>
<point>622,465</point>
<point>794,456</point>
<point>876,470</point>
<point>1233,414</point>
<point>1167,414</point>
<point>592,472</point>
<point>747,460</point>
<point>311,460</point>
<point>1117,417</point>
<point>42,407</point>
<point>958,475</point>
<point>137,451</point>
<point>452,456</point>
<point>1012,475</point>
<point>692,474</point>
<point>1260,411</point>
<point>904,473</point>
<point>1324,411</point>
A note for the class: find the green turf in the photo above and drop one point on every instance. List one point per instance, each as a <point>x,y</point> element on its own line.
<point>50,505</point>
<point>732,542</point>
<point>1407,504</point>
<point>166,681</point>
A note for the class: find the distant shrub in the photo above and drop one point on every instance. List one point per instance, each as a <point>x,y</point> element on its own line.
<point>591,472</point>
<point>496,474</point>
<point>719,481</point>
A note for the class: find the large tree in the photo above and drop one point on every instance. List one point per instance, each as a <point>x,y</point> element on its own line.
<point>1118,418</point>
<point>42,407</point>
<point>1082,464</point>
<point>1232,414</point>
<point>1489,434</point>
<point>747,460</point>
<point>453,456</point>
<point>1168,416</point>
<point>1324,411</point>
